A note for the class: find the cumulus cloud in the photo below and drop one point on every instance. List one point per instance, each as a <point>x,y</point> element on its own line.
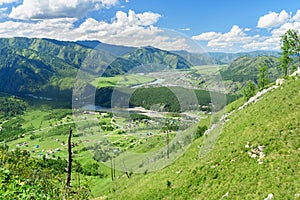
<point>296,17</point>
<point>47,9</point>
<point>273,19</point>
<point>7,1</point>
<point>265,43</point>
<point>272,41</point>
<point>107,3</point>
<point>123,25</point>
<point>47,28</point>
<point>207,36</point>
<point>131,29</point>
<point>282,29</point>
<point>231,40</point>
<point>238,39</point>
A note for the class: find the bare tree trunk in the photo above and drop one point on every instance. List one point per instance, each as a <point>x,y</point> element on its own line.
<point>125,170</point>
<point>69,159</point>
<point>114,169</point>
<point>168,151</point>
<point>111,169</point>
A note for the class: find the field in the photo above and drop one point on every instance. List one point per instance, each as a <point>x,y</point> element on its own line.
<point>121,81</point>
<point>99,137</point>
<point>135,140</point>
<point>227,168</point>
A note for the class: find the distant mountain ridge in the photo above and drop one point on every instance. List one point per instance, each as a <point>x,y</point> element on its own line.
<point>204,58</point>
<point>145,56</point>
<point>37,65</point>
<point>220,58</point>
<point>116,50</point>
<point>226,58</point>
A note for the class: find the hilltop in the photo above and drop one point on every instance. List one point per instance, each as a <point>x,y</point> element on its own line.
<point>256,155</point>
<point>49,67</point>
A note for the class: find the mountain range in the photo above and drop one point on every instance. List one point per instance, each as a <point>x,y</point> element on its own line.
<point>47,66</point>
<point>43,65</point>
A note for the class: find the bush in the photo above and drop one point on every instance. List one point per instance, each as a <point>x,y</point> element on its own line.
<point>200,131</point>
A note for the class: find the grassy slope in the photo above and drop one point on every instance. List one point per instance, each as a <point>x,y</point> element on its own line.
<point>272,122</point>
<point>125,80</point>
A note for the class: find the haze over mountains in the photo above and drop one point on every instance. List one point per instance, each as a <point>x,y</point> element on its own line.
<point>33,65</point>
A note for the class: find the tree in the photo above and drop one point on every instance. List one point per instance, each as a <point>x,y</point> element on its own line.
<point>292,38</point>
<point>249,90</point>
<point>262,76</point>
<point>200,131</point>
<point>290,47</point>
<point>68,183</point>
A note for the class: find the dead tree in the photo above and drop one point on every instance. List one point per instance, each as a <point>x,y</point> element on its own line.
<point>111,169</point>
<point>125,170</point>
<point>168,141</point>
<point>114,169</point>
<point>69,159</point>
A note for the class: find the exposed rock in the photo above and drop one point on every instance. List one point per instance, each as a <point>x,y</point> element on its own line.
<point>225,195</point>
<point>256,152</point>
<point>269,197</point>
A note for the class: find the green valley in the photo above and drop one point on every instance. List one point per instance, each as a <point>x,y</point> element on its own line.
<point>146,123</point>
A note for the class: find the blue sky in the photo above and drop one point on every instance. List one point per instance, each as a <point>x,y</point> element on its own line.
<point>227,26</point>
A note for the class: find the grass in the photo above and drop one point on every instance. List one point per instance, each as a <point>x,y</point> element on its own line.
<point>36,118</point>
<point>206,69</point>
<point>273,122</point>
<point>125,80</point>
<point>225,166</point>
<point>47,127</point>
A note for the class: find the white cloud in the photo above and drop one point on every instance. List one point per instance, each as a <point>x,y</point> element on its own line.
<point>107,3</point>
<point>285,27</point>
<point>296,17</point>
<point>3,13</point>
<point>232,40</point>
<point>35,9</point>
<point>238,39</point>
<point>185,29</point>
<point>273,19</point>
<point>47,28</point>
<point>131,29</point>
<point>266,43</point>
<point>207,36</point>
<point>7,1</point>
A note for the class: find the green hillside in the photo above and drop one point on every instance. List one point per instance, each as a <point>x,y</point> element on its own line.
<point>246,68</point>
<point>269,129</point>
<point>49,67</point>
<point>39,65</point>
<point>145,56</point>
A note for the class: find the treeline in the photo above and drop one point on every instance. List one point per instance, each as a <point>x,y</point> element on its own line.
<point>161,98</point>
<point>169,99</point>
<point>12,106</point>
<point>12,129</point>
